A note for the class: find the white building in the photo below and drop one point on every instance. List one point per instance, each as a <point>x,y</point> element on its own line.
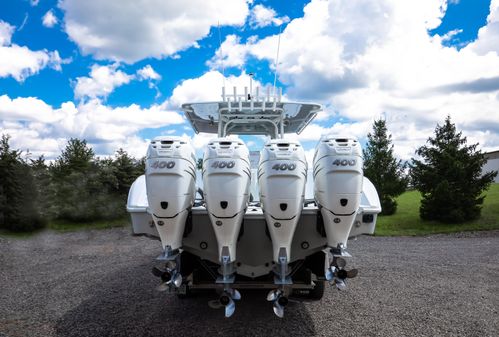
<point>492,163</point>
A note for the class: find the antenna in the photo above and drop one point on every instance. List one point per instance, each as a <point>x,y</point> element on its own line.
<point>221,53</point>
<point>277,57</point>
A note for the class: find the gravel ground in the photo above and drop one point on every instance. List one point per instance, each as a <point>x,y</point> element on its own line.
<point>98,283</point>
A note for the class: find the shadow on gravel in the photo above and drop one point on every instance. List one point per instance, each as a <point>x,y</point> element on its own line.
<point>126,303</point>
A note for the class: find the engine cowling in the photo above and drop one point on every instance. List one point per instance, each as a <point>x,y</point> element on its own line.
<point>338,177</point>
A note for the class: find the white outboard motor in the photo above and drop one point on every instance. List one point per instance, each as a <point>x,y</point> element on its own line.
<point>171,188</point>
<point>226,181</point>
<point>338,186</point>
<point>282,176</point>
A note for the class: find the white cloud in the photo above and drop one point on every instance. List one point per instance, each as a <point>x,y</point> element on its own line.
<point>232,53</point>
<point>44,129</point>
<point>21,62</point>
<point>451,34</point>
<point>148,73</point>
<point>24,108</point>
<point>49,19</point>
<point>262,16</point>
<point>6,31</point>
<point>102,81</point>
<point>208,88</point>
<point>55,60</point>
<point>488,36</point>
<point>149,28</point>
<point>34,2</point>
<point>391,66</point>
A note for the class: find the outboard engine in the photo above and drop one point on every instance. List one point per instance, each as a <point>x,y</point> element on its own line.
<point>338,179</point>
<point>282,175</point>
<point>171,188</point>
<point>226,181</point>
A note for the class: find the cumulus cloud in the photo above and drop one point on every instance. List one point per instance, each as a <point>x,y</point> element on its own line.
<point>391,67</point>
<point>101,82</point>
<point>104,79</point>
<point>231,53</point>
<point>44,129</point>
<point>262,16</point>
<point>208,88</point>
<point>6,32</point>
<point>21,62</point>
<point>26,108</point>
<point>49,19</point>
<point>148,73</point>
<point>149,28</point>
<point>488,36</point>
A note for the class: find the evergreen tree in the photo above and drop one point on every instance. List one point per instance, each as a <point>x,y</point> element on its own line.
<point>18,193</point>
<point>382,168</point>
<point>77,187</point>
<point>76,157</point>
<point>126,170</point>
<point>449,176</point>
<point>43,185</point>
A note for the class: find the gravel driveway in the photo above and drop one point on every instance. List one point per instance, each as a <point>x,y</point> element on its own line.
<point>98,283</point>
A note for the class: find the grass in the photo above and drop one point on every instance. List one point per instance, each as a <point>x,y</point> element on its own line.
<point>67,226</point>
<point>406,220</point>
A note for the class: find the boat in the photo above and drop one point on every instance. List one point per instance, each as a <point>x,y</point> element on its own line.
<point>253,220</point>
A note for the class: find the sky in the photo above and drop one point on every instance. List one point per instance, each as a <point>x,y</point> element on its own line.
<point>116,72</point>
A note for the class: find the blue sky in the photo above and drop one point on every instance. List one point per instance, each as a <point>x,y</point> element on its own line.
<point>115,74</point>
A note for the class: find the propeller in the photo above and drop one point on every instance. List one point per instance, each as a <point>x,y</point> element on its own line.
<point>279,301</point>
<point>336,274</point>
<point>169,276</point>
<point>227,300</point>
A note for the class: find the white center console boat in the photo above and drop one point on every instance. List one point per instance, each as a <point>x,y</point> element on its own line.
<point>277,224</point>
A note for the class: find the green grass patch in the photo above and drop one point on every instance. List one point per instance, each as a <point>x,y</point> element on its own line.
<point>65,226</point>
<point>68,226</point>
<point>406,220</point>
<point>18,235</point>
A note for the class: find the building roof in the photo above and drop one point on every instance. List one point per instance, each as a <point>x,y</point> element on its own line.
<point>492,154</point>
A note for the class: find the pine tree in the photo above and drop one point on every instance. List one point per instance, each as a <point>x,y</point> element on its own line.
<point>382,168</point>
<point>449,176</point>
<point>77,188</point>
<point>10,190</point>
<point>126,169</point>
<point>42,181</point>
<point>18,194</point>
<point>77,156</point>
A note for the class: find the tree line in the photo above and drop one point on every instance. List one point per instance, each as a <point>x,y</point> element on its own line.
<point>76,187</point>
<point>448,173</point>
<point>79,187</point>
